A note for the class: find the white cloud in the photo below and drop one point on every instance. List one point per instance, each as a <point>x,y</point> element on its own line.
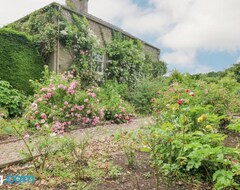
<point>238,60</point>
<point>12,10</point>
<point>182,26</point>
<point>180,58</point>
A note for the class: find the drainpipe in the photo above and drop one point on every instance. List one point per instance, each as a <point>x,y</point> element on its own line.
<point>58,44</point>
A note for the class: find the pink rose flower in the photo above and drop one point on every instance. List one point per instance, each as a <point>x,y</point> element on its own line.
<point>43,116</point>
<point>180,101</point>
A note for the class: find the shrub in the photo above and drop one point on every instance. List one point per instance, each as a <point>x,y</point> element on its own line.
<point>125,61</point>
<point>142,94</point>
<point>59,103</point>
<point>153,68</point>
<point>11,100</point>
<point>223,95</point>
<point>115,108</point>
<point>185,138</point>
<point>20,61</point>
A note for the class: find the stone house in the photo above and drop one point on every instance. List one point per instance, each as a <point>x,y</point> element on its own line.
<point>60,60</point>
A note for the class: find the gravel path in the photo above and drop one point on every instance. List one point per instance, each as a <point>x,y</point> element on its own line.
<point>10,152</point>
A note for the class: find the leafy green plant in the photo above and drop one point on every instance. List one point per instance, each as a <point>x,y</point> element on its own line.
<point>43,29</point>
<point>78,159</point>
<point>186,138</point>
<point>143,93</point>
<point>128,142</point>
<point>81,43</point>
<point>234,125</point>
<point>125,61</point>
<point>20,61</point>
<point>11,100</point>
<point>115,108</point>
<point>115,171</point>
<point>152,68</point>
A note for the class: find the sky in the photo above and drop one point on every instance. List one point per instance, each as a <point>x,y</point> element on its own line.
<point>195,36</point>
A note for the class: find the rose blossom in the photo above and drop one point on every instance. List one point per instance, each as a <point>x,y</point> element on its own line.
<point>43,116</point>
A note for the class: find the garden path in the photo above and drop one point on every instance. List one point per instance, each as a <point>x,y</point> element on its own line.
<point>10,151</point>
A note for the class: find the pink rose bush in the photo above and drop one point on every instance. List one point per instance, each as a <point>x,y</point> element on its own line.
<point>115,109</point>
<point>59,103</point>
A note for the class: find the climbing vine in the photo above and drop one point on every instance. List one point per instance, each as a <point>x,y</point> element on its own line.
<point>103,36</point>
<point>126,58</point>
<point>41,26</point>
<point>82,44</point>
<point>126,62</point>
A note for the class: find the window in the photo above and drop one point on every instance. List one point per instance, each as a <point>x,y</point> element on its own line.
<point>98,63</point>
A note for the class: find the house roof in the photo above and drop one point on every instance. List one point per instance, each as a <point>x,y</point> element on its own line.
<point>95,19</point>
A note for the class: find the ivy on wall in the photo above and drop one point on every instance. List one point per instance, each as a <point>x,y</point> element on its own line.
<point>20,60</point>
<point>126,60</point>
<point>153,68</point>
<point>43,29</point>
<point>102,36</point>
<point>82,45</point>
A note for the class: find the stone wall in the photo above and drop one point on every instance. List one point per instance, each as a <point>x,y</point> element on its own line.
<point>100,30</point>
<point>61,59</point>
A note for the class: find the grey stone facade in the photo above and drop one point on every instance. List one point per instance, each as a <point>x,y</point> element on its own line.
<point>61,59</point>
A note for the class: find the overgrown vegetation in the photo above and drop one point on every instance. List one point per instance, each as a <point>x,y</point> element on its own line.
<point>20,61</point>
<point>186,138</point>
<point>11,101</point>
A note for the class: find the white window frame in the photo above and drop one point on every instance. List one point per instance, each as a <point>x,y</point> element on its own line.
<point>99,61</point>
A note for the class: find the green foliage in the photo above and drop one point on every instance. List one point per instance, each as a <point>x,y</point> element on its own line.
<point>125,61</point>
<point>153,68</point>
<point>43,29</point>
<point>78,158</point>
<point>185,138</point>
<point>115,171</point>
<point>20,61</point>
<point>59,102</point>
<point>159,68</point>
<point>143,93</point>
<point>175,77</point>
<point>222,95</point>
<point>80,41</point>
<point>236,70</point>
<point>7,126</point>
<point>11,101</point>
<point>223,179</point>
<point>128,143</point>
<point>115,108</point>
<point>234,125</point>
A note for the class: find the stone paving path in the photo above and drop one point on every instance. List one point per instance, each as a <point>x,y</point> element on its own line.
<point>10,152</point>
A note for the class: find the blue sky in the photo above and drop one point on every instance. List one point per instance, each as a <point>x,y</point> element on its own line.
<point>193,35</point>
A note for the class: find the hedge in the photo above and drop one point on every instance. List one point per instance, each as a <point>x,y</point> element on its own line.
<point>19,60</point>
